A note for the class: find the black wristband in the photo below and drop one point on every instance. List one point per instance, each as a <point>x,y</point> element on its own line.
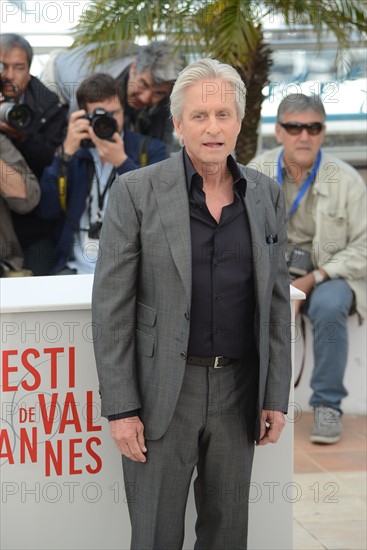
<point>65,157</point>
<point>127,414</point>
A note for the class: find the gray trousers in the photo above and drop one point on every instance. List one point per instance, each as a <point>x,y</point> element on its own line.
<point>212,430</point>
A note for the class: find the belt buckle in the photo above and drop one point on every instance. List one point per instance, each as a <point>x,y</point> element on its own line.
<point>216,361</point>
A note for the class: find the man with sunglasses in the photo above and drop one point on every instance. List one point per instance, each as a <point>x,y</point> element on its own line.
<point>326,226</point>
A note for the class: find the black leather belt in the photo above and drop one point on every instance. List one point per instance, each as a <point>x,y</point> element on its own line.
<point>216,362</point>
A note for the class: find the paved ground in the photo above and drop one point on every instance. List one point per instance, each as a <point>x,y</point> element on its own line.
<point>331,510</point>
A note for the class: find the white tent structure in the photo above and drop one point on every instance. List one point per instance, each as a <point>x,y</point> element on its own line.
<point>47,25</point>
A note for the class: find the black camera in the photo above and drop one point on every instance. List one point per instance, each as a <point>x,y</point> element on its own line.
<point>18,116</point>
<point>95,230</point>
<point>299,263</point>
<point>103,124</point>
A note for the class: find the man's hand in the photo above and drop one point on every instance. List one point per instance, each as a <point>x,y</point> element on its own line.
<point>5,128</point>
<point>272,424</point>
<point>78,129</point>
<point>128,435</point>
<point>109,151</point>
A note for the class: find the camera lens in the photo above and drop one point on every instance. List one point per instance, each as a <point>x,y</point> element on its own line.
<point>104,126</point>
<point>18,117</point>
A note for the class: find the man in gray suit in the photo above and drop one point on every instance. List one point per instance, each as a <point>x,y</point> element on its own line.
<point>191,302</point>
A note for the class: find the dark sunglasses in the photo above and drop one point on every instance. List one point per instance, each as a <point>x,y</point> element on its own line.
<point>295,128</point>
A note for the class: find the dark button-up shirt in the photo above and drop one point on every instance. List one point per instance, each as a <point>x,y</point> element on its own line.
<point>223,302</point>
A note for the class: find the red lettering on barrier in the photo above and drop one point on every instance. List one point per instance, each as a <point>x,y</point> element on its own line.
<point>25,443</point>
<point>90,426</point>
<point>48,420</point>
<point>35,382</point>
<point>73,455</point>
<point>31,369</point>
<point>74,420</point>
<point>53,352</point>
<point>4,441</point>
<point>6,369</point>
<point>51,456</point>
<point>94,455</point>
<point>72,367</point>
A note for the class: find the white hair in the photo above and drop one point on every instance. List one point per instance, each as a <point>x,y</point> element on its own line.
<point>208,69</point>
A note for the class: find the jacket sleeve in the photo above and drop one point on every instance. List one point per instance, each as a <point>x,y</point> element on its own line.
<point>114,302</point>
<point>279,369</point>
<point>344,250</point>
<point>49,207</point>
<point>14,160</point>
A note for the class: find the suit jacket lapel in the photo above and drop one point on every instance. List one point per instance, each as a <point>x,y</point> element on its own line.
<point>173,205</point>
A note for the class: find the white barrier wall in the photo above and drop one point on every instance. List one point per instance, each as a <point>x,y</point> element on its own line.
<point>61,475</point>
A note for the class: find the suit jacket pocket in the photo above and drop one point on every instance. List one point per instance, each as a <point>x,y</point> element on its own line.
<point>146,315</point>
<point>144,344</point>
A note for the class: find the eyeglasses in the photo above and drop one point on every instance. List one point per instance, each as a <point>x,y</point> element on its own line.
<point>295,128</point>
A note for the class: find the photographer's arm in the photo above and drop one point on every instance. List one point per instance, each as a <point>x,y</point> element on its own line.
<point>50,206</point>
<point>18,184</point>
<point>78,129</point>
<point>12,183</point>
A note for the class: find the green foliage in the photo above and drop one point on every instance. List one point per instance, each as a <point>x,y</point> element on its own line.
<point>228,30</point>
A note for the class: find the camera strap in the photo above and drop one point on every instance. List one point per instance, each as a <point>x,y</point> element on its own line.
<point>143,151</point>
<point>304,186</point>
<point>303,360</point>
<point>101,195</point>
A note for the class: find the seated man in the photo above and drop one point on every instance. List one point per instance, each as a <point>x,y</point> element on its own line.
<point>326,211</point>
<point>146,75</point>
<point>36,141</point>
<point>98,146</point>
<point>19,192</point>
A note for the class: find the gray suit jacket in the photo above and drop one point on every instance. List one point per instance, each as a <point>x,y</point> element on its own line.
<point>142,293</point>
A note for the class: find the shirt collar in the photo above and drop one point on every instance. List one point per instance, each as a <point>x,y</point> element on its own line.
<point>239,182</point>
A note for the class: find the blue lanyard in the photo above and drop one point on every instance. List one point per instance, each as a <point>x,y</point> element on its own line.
<point>304,187</point>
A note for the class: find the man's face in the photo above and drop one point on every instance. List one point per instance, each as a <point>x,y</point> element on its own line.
<point>209,125</point>
<point>15,74</point>
<point>300,149</point>
<point>141,90</point>
<point>111,105</point>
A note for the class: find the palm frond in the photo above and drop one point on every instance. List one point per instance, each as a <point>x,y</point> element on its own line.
<point>230,35</point>
<point>339,16</point>
<point>118,23</point>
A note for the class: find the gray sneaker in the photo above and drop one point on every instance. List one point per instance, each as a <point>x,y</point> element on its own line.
<point>327,426</point>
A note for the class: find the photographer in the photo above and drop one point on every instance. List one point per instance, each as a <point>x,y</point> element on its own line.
<point>19,192</point>
<point>326,226</point>
<point>36,142</point>
<point>145,73</point>
<point>75,188</point>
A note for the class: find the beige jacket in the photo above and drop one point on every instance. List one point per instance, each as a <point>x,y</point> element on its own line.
<point>10,251</point>
<point>340,240</point>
